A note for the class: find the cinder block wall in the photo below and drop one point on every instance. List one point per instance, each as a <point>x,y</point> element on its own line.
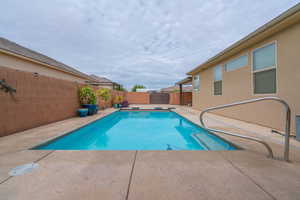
<point>144,98</point>
<point>175,98</point>
<point>187,98</point>
<point>138,97</point>
<point>39,100</point>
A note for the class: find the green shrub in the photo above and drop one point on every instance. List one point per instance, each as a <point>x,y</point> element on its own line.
<point>87,95</point>
<point>104,94</point>
<point>135,87</point>
<point>118,99</point>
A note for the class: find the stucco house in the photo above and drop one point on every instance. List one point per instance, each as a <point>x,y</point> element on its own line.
<point>264,63</point>
<point>103,82</point>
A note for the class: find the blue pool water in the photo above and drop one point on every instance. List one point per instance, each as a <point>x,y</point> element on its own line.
<point>139,130</point>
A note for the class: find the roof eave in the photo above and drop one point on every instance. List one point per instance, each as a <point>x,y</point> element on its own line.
<point>184,81</point>
<point>287,18</point>
<point>42,63</point>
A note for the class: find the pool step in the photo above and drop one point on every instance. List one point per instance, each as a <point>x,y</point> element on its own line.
<point>200,141</point>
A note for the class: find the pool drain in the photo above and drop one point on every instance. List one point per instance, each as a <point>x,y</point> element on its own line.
<point>23,169</point>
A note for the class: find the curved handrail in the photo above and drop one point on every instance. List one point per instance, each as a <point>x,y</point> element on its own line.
<point>287,124</point>
<point>270,152</point>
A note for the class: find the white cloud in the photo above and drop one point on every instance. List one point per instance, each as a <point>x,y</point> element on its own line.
<point>149,42</point>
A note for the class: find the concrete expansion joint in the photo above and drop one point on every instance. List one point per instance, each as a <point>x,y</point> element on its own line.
<point>41,158</point>
<point>131,174</point>
<point>6,180</point>
<point>34,164</point>
<point>251,179</point>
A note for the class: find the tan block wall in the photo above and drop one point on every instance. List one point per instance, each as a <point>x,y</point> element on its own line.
<point>138,97</point>
<point>39,100</point>
<point>187,98</point>
<point>237,85</point>
<point>175,98</point>
<point>13,62</point>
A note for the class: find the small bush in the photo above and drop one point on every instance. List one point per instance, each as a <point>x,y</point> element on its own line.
<point>87,95</point>
<point>118,99</point>
<point>104,94</point>
<point>135,87</point>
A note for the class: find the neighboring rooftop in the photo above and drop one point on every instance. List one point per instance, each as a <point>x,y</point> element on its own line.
<point>101,79</point>
<point>289,17</point>
<point>176,88</point>
<point>14,48</point>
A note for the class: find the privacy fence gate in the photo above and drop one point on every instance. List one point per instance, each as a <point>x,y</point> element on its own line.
<point>159,98</point>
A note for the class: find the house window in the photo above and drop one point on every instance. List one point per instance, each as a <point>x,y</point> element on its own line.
<point>264,69</point>
<point>196,82</point>
<point>218,80</point>
<point>237,63</point>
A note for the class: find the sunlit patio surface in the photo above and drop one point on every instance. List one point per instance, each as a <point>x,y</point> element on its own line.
<point>241,174</point>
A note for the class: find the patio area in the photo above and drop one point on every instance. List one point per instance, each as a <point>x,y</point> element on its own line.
<point>241,174</point>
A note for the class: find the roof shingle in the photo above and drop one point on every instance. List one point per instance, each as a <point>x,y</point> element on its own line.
<point>15,48</point>
<point>100,79</point>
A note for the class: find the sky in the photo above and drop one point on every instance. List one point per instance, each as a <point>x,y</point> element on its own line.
<point>149,42</point>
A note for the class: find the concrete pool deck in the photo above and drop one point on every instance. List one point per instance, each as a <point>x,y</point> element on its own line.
<point>242,174</point>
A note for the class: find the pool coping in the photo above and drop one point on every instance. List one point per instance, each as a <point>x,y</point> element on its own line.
<point>237,147</point>
<point>69,132</point>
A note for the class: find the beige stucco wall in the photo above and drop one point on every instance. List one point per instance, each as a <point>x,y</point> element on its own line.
<point>24,65</point>
<point>237,84</point>
<point>106,86</point>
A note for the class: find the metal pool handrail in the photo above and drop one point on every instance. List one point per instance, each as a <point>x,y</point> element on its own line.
<point>287,123</point>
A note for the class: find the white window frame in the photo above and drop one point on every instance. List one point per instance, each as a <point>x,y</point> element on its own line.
<point>265,69</point>
<point>196,89</point>
<point>235,58</point>
<point>213,85</point>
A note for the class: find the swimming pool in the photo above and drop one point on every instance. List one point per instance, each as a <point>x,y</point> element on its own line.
<point>139,130</point>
